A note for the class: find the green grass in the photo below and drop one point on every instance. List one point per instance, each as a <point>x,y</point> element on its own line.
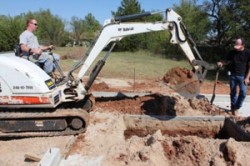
<point>138,65</point>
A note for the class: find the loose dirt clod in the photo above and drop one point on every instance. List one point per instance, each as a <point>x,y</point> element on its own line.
<point>178,75</point>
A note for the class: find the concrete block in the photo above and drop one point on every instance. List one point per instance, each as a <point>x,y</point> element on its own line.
<point>51,158</point>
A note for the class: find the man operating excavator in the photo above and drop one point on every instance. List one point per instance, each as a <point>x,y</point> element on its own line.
<point>33,51</point>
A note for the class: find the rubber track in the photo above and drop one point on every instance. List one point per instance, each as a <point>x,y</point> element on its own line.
<point>83,114</point>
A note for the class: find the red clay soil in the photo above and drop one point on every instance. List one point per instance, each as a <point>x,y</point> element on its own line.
<point>177,150</point>
<point>158,146</point>
<point>178,75</point>
<point>101,87</point>
<point>182,80</point>
<point>175,78</point>
<point>157,104</point>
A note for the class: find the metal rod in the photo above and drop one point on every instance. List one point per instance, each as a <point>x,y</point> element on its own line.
<point>131,17</point>
<point>135,16</point>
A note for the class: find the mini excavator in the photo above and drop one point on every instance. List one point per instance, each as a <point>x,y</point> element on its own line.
<point>32,104</point>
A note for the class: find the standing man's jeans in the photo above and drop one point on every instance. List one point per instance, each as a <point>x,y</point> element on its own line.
<point>237,101</point>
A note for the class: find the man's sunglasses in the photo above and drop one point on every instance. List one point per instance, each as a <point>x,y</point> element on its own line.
<point>34,24</point>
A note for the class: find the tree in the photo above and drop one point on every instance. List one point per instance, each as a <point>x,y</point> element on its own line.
<point>10,28</point>
<point>217,10</point>
<point>229,19</point>
<point>84,30</point>
<point>155,41</point>
<point>242,17</point>
<point>196,22</point>
<point>195,19</point>
<point>51,28</point>
<point>90,26</point>
<point>128,7</point>
<point>77,29</point>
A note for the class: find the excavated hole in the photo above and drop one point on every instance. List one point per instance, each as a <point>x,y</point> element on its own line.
<point>175,116</point>
<point>128,133</point>
<point>204,127</point>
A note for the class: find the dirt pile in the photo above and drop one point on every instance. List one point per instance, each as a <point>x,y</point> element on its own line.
<point>196,151</point>
<point>104,143</point>
<point>102,86</point>
<point>178,75</point>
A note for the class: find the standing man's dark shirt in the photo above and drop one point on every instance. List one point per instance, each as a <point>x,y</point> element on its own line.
<point>239,61</point>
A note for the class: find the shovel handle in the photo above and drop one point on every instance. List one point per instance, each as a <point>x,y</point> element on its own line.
<point>215,83</point>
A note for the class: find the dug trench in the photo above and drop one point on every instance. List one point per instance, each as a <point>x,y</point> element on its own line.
<point>174,115</point>
<point>160,129</point>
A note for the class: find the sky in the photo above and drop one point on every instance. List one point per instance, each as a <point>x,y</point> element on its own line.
<point>66,9</point>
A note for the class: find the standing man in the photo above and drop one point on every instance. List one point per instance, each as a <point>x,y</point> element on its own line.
<point>238,59</point>
<point>34,52</point>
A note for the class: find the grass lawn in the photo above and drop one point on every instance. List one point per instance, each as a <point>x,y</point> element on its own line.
<point>139,65</point>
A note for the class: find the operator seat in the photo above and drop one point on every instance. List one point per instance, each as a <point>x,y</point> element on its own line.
<point>18,52</point>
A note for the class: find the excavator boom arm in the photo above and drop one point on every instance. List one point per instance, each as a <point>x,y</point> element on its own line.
<point>115,31</point>
<point>119,27</point>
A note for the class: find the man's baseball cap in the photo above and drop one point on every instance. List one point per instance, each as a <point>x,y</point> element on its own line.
<point>239,43</point>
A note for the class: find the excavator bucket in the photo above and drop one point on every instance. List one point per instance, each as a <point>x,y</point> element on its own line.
<point>183,81</point>
<point>188,89</point>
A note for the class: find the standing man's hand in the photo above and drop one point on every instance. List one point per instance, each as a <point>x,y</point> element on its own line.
<point>219,64</point>
<point>246,81</point>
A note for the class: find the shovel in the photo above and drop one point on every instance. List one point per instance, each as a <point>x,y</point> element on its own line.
<point>215,83</point>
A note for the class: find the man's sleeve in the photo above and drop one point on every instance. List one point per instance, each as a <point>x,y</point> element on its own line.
<point>23,39</point>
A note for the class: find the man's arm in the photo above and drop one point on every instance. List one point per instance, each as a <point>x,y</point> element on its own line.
<point>223,63</point>
<point>30,51</point>
<point>248,75</point>
<point>44,48</point>
<point>227,60</point>
<point>25,48</point>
